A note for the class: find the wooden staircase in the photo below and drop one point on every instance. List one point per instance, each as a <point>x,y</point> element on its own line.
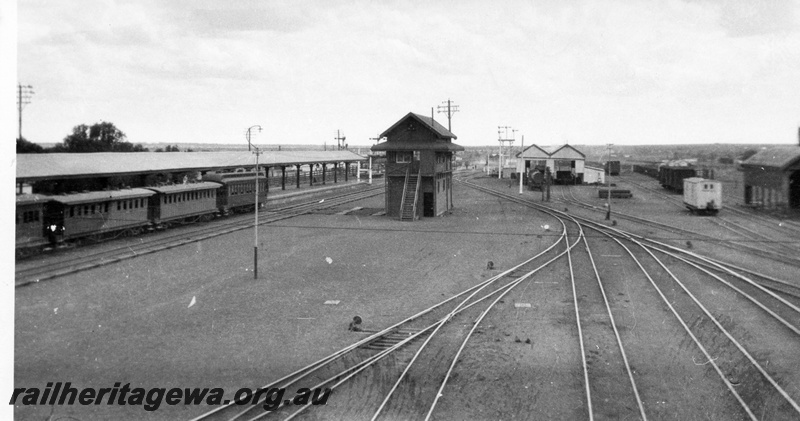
<point>408,206</point>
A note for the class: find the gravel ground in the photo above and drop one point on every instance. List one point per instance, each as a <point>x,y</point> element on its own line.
<point>133,323</point>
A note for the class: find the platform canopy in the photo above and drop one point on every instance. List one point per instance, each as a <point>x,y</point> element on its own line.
<point>35,167</point>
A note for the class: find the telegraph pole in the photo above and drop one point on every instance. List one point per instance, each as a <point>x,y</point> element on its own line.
<point>500,131</point>
<point>24,94</point>
<point>450,109</point>
<point>608,183</point>
<point>340,138</point>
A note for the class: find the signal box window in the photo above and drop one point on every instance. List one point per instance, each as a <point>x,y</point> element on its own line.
<point>404,157</point>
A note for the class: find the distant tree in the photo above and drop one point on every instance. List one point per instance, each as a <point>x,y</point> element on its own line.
<point>23,146</point>
<point>100,137</point>
<point>748,153</point>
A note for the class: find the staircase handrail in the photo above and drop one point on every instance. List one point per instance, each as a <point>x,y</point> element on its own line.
<point>403,197</point>
<point>416,192</point>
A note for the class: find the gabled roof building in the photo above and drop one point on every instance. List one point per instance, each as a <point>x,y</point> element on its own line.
<point>564,162</point>
<point>772,178</point>
<point>419,167</point>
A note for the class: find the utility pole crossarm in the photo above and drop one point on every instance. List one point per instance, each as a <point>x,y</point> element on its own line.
<point>24,95</point>
<point>449,110</point>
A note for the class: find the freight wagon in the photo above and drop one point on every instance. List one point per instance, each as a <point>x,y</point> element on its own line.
<point>671,178</point>
<point>702,196</point>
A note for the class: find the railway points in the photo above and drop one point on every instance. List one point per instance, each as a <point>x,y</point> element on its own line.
<point>502,360</point>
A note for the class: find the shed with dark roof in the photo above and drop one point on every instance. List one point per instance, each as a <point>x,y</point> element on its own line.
<point>772,178</point>
<point>419,167</point>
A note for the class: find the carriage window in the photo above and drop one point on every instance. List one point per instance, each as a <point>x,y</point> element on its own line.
<point>125,204</point>
<point>71,211</point>
<point>85,209</point>
<point>92,208</point>
<point>106,211</point>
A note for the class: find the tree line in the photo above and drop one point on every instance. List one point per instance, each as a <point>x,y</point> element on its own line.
<point>99,137</point>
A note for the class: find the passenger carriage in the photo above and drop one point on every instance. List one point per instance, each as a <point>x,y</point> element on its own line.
<point>99,214</point>
<point>30,231</point>
<point>183,203</point>
<point>237,191</point>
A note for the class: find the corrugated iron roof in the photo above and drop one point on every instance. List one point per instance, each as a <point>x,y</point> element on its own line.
<point>95,196</point>
<point>203,185</point>
<point>539,152</point>
<point>534,152</point>
<point>27,198</point>
<point>564,150</point>
<point>432,124</point>
<point>779,157</point>
<point>77,165</point>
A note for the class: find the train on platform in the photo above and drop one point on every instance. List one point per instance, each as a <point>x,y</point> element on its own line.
<point>66,219</point>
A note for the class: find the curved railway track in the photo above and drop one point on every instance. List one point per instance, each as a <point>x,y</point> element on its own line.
<point>407,360</point>
<point>785,287</point>
<point>750,234</point>
<point>60,266</point>
<point>784,254</point>
<point>743,373</point>
<point>417,387</point>
<point>414,369</point>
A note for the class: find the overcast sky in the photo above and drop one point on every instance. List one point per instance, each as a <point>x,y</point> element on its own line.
<point>627,72</point>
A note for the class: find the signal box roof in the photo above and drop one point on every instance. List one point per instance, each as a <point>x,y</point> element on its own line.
<point>34,167</point>
<point>442,138</point>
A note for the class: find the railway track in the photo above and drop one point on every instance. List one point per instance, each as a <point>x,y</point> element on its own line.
<point>782,286</point>
<point>750,234</point>
<point>433,333</point>
<point>416,366</point>
<point>783,255</point>
<point>416,387</point>
<point>60,266</point>
<point>742,372</point>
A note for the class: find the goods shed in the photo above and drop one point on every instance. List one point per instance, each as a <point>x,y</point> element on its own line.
<point>564,162</point>
<point>772,178</point>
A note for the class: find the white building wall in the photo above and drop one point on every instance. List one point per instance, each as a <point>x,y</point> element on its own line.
<point>594,175</point>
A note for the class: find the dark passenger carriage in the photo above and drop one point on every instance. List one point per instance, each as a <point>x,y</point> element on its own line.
<point>237,193</point>
<point>30,230</point>
<point>95,214</point>
<point>183,202</point>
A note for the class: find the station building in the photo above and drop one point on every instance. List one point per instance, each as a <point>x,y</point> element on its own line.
<point>419,167</point>
<point>772,178</point>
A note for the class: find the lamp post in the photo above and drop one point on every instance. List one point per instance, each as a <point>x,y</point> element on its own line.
<point>608,183</point>
<point>255,224</point>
